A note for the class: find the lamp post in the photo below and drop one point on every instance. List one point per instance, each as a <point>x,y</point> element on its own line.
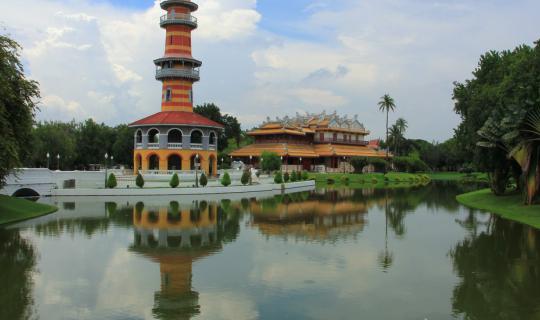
<point>281,166</point>
<point>112,162</point>
<point>196,170</point>
<point>343,164</point>
<point>106,157</point>
<point>300,165</point>
<point>58,162</point>
<point>48,156</point>
<point>250,166</point>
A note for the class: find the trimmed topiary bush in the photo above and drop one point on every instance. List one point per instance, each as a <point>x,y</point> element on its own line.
<point>344,180</point>
<point>245,177</point>
<point>226,180</point>
<point>111,181</point>
<point>139,181</point>
<point>286,177</point>
<point>175,181</point>
<point>203,180</point>
<point>278,178</point>
<point>305,175</point>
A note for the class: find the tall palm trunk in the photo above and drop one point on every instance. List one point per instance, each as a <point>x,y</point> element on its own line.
<point>387,145</point>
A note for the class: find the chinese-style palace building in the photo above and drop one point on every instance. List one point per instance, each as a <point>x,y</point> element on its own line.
<point>176,138</point>
<point>315,142</point>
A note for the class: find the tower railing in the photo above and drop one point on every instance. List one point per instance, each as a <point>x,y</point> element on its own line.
<point>181,73</point>
<point>173,18</point>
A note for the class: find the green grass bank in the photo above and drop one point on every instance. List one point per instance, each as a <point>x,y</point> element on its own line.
<point>458,176</point>
<point>370,179</point>
<point>15,209</point>
<point>508,206</point>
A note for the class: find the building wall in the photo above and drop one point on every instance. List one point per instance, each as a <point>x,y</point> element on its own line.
<point>142,159</point>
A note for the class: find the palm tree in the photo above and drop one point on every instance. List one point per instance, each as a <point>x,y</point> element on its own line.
<point>387,104</point>
<point>401,125</point>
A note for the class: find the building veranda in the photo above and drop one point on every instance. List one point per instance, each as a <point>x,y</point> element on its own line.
<point>314,142</point>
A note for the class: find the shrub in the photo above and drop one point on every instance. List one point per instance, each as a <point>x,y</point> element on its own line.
<point>286,177</point>
<point>111,181</point>
<point>359,163</point>
<point>245,177</point>
<point>378,163</point>
<point>226,180</point>
<point>174,181</point>
<point>409,164</point>
<point>330,181</point>
<point>344,180</point>
<point>139,181</point>
<point>203,180</point>
<point>293,176</point>
<point>278,178</point>
<point>270,161</point>
<point>305,175</point>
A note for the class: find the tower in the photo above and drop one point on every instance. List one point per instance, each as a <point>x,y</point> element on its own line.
<point>176,138</point>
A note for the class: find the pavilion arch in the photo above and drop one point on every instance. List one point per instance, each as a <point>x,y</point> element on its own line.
<point>174,162</point>
<point>196,136</point>
<point>138,136</point>
<point>212,164</point>
<point>212,138</point>
<point>153,162</point>
<point>192,161</point>
<point>174,135</point>
<point>153,135</point>
<point>138,162</point>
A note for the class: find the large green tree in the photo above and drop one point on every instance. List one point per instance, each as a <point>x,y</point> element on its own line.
<point>18,96</point>
<point>231,125</point>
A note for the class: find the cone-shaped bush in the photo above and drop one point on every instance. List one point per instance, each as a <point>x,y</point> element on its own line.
<point>305,175</point>
<point>245,177</point>
<point>278,177</point>
<point>226,180</point>
<point>111,181</point>
<point>286,177</point>
<point>203,180</point>
<point>175,181</point>
<point>139,181</point>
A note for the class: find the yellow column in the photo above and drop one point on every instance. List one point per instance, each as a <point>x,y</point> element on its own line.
<point>144,165</point>
<point>204,164</point>
<point>163,161</point>
<point>185,161</point>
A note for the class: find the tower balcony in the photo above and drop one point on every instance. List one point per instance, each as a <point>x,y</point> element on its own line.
<point>192,74</point>
<point>165,4</point>
<point>178,18</point>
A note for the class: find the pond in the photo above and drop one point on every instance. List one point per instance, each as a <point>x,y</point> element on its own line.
<point>409,253</point>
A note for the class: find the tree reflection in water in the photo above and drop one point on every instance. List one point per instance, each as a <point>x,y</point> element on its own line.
<point>17,262</point>
<point>499,271</point>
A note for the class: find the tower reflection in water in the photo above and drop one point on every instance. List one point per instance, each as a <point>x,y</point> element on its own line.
<point>175,237</point>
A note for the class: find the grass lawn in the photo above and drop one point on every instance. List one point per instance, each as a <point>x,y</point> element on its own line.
<point>370,179</point>
<point>509,206</point>
<point>15,209</point>
<point>457,176</point>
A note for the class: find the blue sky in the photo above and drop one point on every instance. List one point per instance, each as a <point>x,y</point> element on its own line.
<point>93,58</point>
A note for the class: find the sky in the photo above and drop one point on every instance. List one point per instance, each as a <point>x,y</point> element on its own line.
<point>268,58</point>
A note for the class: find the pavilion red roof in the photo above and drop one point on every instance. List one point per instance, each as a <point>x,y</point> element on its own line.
<point>176,118</point>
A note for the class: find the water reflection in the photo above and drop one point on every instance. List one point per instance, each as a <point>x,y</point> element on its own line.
<point>175,237</point>
<point>499,271</point>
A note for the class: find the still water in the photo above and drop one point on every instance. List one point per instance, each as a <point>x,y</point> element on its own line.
<point>329,254</point>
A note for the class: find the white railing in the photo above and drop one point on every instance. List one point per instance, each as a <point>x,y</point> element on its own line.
<point>171,72</point>
<point>177,17</point>
<point>174,145</point>
<point>138,145</point>
<point>153,146</point>
<point>169,172</point>
<point>212,147</point>
<point>196,146</point>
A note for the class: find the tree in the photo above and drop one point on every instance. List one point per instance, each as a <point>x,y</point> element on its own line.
<point>386,104</point>
<point>175,181</point>
<point>278,178</point>
<point>286,177</point>
<point>305,175</point>
<point>139,181</point>
<point>111,181</point>
<point>270,161</point>
<point>401,126</point>
<point>226,180</point>
<point>203,180</point>
<point>294,176</point>
<point>122,147</point>
<point>17,108</point>
<point>245,177</point>
<point>358,163</point>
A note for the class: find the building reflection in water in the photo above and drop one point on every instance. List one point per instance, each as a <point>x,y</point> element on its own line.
<point>175,237</point>
<point>321,217</point>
